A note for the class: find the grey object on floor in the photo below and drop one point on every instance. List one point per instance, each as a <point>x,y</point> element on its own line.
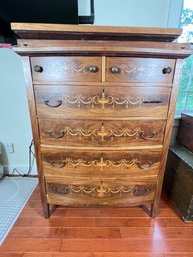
<point>14,193</point>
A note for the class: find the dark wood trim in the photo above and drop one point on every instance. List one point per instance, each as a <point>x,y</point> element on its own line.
<point>101,52</point>
<point>111,48</point>
<point>61,31</point>
<point>35,132</point>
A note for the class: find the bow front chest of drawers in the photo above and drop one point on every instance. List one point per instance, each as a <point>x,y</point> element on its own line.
<point>101,102</point>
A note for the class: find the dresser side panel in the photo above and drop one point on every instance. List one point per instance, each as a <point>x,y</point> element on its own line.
<point>168,131</point>
<point>35,132</point>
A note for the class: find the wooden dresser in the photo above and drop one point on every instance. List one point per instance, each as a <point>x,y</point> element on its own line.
<point>101,101</point>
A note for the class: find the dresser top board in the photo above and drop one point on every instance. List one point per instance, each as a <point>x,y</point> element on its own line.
<point>63,31</point>
<point>36,39</point>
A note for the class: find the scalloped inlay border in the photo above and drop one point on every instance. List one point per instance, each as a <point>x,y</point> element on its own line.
<point>101,190</point>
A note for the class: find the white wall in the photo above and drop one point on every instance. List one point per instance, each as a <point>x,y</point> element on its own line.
<point>14,117</point>
<point>175,13</point>
<point>149,13</point>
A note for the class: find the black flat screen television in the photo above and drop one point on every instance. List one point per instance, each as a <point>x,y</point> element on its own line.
<point>35,11</point>
<point>39,11</point>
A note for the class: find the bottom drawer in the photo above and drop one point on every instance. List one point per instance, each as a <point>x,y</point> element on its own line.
<point>95,192</point>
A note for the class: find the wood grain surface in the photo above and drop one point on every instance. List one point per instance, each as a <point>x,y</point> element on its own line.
<point>94,232</point>
<point>92,162</point>
<point>102,110</point>
<point>139,70</point>
<point>83,44</point>
<point>40,30</point>
<point>71,69</point>
<point>99,133</point>
<point>34,125</point>
<point>67,101</point>
<point>168,132</point>
<point>62,69</point>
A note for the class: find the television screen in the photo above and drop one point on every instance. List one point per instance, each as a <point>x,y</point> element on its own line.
<point>35,11</point>
<point>39,11</point>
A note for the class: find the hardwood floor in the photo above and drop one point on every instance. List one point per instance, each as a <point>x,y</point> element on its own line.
<point>92,232</point>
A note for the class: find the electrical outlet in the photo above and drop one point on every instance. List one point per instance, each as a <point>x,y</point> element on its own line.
<point>9,148</point>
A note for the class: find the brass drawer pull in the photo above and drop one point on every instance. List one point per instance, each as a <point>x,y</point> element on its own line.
<point>59,102</point>
<point>153,135</point>
<point>144,166</point>
<point>115,70</point>
<point>93,69</point>
<point>38,68</point>
<point>59,134</point>
<point>167,70</point>
<point>54,165</point>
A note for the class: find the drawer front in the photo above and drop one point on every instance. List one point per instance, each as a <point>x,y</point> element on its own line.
<point>87,192</point>
<point>101,163</point>
<point>62,69</point>
<point>101,133</point>
<point>73,101</point>
<point>139,70</point>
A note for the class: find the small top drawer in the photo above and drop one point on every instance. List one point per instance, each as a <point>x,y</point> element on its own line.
<point>64,69</point>
<point>123,69</point>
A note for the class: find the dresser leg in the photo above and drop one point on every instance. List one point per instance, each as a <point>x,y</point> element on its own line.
<point>46,210</point>
<point>154,210</point>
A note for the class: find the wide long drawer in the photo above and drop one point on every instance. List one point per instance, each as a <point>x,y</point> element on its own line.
<point>101,133</point>
<point>67,68</point>
<point>100,163</point>
<point>73,101</point>
<point>96,192</point>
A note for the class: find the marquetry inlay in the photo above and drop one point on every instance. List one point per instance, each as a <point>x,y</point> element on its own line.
<point>103,133</point>
<point>101,190</point>
<point>103,101</point>
<point>101,163</point>
<point>70,67</point>
<point>131,68</point>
